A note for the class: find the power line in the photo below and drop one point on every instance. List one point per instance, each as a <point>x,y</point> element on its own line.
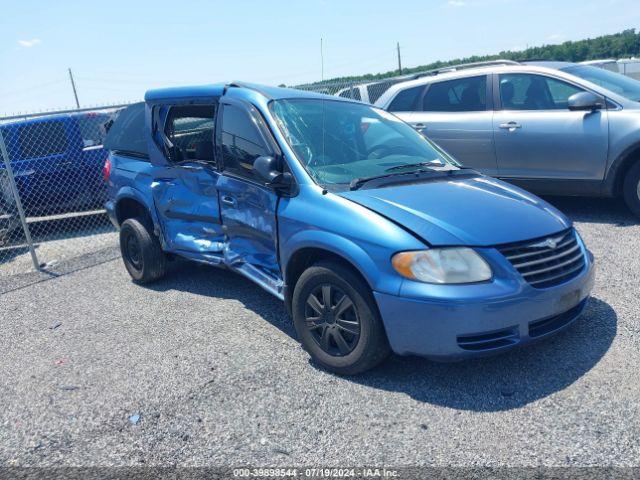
<point>12,93</point>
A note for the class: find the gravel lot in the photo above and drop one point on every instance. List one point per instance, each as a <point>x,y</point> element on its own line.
<point>210,364</point>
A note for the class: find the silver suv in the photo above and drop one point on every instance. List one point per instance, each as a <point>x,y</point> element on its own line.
<point>551,127</point>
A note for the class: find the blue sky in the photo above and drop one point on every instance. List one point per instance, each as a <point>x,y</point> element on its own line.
<point>118,49</point>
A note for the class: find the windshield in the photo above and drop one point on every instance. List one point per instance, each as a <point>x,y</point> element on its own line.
<point>617,83</point>
<point>338,142</point>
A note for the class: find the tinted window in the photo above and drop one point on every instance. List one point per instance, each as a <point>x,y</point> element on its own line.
<point>241,141</point>
<point>42,139</point>
<point>190,129</point>
<point>534,92</point>
<point>460,95</point>
<point>406,100</point>
<point>127,134</point>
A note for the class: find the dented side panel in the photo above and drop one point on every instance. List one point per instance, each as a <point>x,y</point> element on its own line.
<point>249,213</point>
<point>186,199</point>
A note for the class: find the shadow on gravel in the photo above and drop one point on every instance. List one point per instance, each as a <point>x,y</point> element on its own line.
<point>507,381</point>
<point>595,210</point>
<point>200,279</point>
<point>502,382</point>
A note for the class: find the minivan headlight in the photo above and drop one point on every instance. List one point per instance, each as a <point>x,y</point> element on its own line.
<point>442,265</point>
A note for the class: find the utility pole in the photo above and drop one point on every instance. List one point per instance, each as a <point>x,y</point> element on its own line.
<point>75,93</point>
<point>399,61</point>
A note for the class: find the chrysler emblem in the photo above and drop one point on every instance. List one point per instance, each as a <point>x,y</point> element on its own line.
<point>548,243</point>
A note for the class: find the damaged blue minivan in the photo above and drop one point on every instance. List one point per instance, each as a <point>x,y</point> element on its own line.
<point>375,239</point>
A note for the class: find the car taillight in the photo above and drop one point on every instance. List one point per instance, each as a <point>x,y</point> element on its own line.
<point>106,170</point>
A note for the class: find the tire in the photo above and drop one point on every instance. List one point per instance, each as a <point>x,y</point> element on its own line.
<point>631,189</point>
<point>354,319</point>
<point>141,252</point>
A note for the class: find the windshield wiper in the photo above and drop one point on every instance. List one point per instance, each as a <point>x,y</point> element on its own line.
<point>356,183</point>
<point>431,163</point>
<point>449,171</point>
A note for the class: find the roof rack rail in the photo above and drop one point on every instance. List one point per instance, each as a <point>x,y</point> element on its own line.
<point>463,66</point>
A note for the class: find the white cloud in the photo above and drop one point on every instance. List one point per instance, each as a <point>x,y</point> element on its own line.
<point>456,3</point>
<point>556,37</point>
<point>29,43</point>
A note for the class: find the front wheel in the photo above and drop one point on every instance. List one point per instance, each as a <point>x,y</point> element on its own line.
<point>141,251</point>
<point>337,321</point>
<point>631,189</point>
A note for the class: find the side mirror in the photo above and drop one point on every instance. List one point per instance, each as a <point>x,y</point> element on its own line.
<point>174,154</point>
<point>266,168</point>
<point>585,101</point>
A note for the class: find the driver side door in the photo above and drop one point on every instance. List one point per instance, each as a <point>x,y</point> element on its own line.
<point>248,207</point>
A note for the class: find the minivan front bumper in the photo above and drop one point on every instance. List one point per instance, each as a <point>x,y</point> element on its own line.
<point>452,329</point>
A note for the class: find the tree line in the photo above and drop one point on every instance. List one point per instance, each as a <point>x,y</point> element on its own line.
<point>618,45</point>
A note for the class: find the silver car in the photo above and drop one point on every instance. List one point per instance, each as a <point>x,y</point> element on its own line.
<point>551,127</point>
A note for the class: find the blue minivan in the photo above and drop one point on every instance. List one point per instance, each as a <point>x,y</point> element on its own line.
<point>375,239</point>
<point>57,162</point>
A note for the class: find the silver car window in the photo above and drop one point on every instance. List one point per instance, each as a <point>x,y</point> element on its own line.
<point>467,94</point>
<point>523,91</point>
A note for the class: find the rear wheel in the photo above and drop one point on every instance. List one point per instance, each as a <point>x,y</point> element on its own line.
<point>337,321</point>
<point>141,252</point>
<point>631,189</point>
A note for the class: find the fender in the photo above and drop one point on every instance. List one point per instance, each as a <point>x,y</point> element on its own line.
<point>374,273</point>
<point>128,192</point>
<point>612,179</point>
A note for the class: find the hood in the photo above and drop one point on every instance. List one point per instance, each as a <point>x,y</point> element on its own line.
<point>473,211</point>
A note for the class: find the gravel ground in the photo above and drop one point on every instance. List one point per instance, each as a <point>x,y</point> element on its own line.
<point>210,364</point>
<point>67,238</point>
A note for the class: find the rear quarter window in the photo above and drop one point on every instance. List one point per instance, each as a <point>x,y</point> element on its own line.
<point>127,134</point>
<point>406,100</point>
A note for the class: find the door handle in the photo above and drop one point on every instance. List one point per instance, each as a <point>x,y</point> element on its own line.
<point>511,126</point>
<point>228,200</point>
<point>419,126</point>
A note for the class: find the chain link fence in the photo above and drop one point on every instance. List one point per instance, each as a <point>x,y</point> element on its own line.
<point>363,91</point>
<point>52,190</point>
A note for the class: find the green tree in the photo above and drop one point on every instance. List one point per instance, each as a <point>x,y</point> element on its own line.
<point>618,45</point>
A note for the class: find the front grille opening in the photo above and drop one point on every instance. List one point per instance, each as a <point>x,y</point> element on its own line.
<point>489,341</point>
<point>548,261</point>
<point>548,325</point>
